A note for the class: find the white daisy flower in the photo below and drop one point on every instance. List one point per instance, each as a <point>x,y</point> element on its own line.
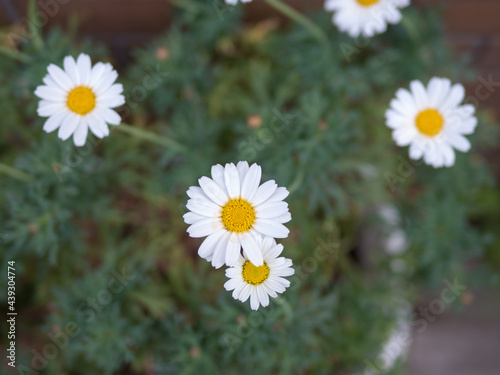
<point>365,17</point>
<point>258,283</point>
<point>233,211</point>
<point>80,97</point>
<point>432,121</point>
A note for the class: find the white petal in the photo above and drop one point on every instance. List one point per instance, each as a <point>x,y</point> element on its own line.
<point>60,77</point>
<point>275,285</point>
<point>437,90</point>
<point>264,192</point>
<point>233,250</point>
<point>106,82</point>
<point>111,117</point>
<point>274,252</point>
<point>455,97</point>
<point>416,150</point>
<point>269,210</point>
<point>196,192</point>
<point>96,73</point>
<point>419,94</point>
<point>213,191</point>
<point>245,292</point>
<point>80,134</point>
<point>254,300</point>
<point>208,246</point>
<point>252,250</point>
<point>404,135</point>
<point>93,124</point>
<point>84,67</point>
<point>271,228</point>
<point>53,94</point>
<point>459,142</point>
<point>448,154</point>
<point>242,167</point>
<point>110,101</point>
<point>68,126</point>
<point>204,227</point>
<point>191,217</point>
<point>47,108</point>
<point>218,176</point>
<point>203,207</point>
<point>251,182</point>
<point>55,121</point>
<point>232,180</point>
<point>280,194</point>
<point>219,256</point>
<point>285,218</point>
<point>231,284</point>
<point>71,69</point>
<point>263,297</point>
<point>405,103</point>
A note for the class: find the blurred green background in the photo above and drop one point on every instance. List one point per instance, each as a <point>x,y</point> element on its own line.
<point>108,280</point>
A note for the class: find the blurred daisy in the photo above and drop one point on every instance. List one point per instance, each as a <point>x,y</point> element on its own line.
<point>432,121</point>
<point>365,17</point>
<point>233,211</point>
<point>80,97</point>
<point>234,2</point>
<point>258,283</point>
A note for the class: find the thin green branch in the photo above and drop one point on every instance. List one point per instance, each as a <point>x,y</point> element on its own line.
<point>34,25</point>
<point>299,18</point>
<point>188,5</point>
<point>149,136</point>
<point>15,173</point>
<point>14,54</point>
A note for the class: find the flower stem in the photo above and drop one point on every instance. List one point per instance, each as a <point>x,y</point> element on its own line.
<point>34,25</point>
<point>15,173</point>
<point>14,54</point>
<point>299,18</point>
<point>299,178</point>
<point>149,136</point>
<point>188,5</point>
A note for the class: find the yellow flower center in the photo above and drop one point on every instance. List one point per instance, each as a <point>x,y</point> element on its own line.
<point>367,3</point>
<point>238,215</point>
<point>429,122</point>
<point>255,275</point>
<point>81,100</point>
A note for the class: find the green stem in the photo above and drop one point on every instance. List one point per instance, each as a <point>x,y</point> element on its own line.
<point>15,173</point>
<point>188,5</point>
<point>14,54</point>
<point>299,18</point>
<point>149,136</point>
<point>299,178</point>
<point>34,25</point>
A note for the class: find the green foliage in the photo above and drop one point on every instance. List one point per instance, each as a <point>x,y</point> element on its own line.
<point>115,206</point>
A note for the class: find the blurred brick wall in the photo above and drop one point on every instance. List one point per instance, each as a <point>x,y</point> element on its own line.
<point>473,26</point>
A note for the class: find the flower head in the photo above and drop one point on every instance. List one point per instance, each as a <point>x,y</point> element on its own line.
<point>432,121</point>
<point>247,280</point>
<point>365,17</point>
<point>80,97</point>
<point>234,210</point>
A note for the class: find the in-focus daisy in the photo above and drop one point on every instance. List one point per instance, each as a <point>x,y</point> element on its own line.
<point>80,97</point>
<point>365,17</point>
<point>432,121</point>
<point>233,210</point>
<point>258,283</point>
